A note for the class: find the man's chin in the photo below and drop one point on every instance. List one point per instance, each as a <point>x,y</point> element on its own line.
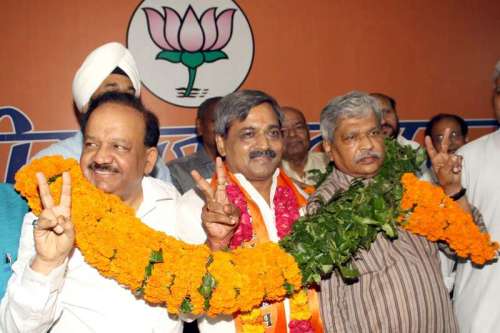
<point>262,169</point>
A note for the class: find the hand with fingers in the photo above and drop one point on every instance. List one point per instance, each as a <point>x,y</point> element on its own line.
<point>446,166</point>
<point>219,216</point>
<point>53,232</point>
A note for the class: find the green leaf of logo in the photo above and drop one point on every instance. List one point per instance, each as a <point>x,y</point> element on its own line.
<point>212,56</point>
<point>170,56</point>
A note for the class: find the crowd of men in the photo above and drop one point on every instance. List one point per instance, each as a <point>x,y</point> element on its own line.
<point>249,140</point>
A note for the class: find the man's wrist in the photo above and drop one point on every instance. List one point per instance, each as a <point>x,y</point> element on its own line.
<point>452,189</point>
<point>44,267</point>
<point>458,195</point>
<point>216,245</point>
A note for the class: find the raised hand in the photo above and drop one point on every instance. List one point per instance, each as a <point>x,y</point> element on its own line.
<point>53,232</point>
<point>219,216</point>
<point>446,166</point>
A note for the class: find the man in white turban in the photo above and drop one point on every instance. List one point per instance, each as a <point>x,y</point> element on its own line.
<point>110,67</point>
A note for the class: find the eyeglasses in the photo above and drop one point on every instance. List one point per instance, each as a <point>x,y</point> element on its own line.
<point>454,136</point>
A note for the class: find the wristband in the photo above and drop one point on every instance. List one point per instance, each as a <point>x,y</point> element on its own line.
<point>458,195</point>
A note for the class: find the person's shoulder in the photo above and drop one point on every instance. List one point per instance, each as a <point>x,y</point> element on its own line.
<point>407,142</point>
<point>319,156</point>
<point>159,187</point>
<point>182,162</point>
<point>479,144</point>
<point>70,147</point>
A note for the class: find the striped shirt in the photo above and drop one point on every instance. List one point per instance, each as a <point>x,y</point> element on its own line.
<point>400,287</point>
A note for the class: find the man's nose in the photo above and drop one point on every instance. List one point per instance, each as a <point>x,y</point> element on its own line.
<point>262,141</point>
<point>366,142</point>
<point>103,155</point>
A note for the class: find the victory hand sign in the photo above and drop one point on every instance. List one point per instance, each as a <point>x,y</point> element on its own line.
<point>219,216</point>
<point>53,232</point>
<point>446,166</point>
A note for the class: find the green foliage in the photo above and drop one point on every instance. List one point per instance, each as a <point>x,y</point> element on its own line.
<point>319,177</point>
<point>327,240</point>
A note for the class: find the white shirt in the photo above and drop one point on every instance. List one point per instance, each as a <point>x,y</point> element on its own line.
<point>191,231</point>
<point>477,290</point>
<point>74,297</point>
<point>315,161</point>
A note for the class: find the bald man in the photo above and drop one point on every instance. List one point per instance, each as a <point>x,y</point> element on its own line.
<point>297,159</point>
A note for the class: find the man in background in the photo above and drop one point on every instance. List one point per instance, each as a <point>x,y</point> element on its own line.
<point>390,120</point>
<point>476,293</point>
<point>203,160</point>
<point>458,131</point>
<point>110,67</point>
<point>297,160</point>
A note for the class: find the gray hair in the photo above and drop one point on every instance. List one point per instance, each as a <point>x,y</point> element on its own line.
<point>496,73</point>
<point>237,105</point>
<point>355,104</point>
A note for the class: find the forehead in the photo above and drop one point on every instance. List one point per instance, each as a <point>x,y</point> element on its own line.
<point>260,116</point>
<point>444,123</point>
<point>292,116</point>
<point>111,119</point>
<point>356,124</point>
<point>116,79</point>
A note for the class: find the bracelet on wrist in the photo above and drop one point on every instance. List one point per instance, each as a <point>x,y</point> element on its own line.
<point>458,195</point>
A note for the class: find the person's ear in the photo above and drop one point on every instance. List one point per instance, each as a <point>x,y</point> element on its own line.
<point>221,148</point>
<point>151,157</point>
<point>327,147</point>
<point>199,127</point>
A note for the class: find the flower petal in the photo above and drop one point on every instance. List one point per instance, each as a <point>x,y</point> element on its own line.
<point>156,25</point>
<point>209,28</point>
<point>172,26</point>
<point>191,35</point>
<point>224,28</point>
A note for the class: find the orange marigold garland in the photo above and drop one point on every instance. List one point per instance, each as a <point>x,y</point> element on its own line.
<point>429,212</point>
<point>153,265</point>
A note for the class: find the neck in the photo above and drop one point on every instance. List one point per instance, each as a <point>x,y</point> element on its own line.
<point>211,151</point>
<point>135,200</point>
<point>297,163</point>
<point>264,188</point>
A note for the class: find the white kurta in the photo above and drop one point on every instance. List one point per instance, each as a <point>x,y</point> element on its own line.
<point>477,290</point>
<point>75,296</point>
<point>190,230</point>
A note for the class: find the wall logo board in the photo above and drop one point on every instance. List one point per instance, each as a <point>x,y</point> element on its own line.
<point>188,51</point>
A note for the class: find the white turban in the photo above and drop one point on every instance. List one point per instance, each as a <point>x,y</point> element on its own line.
<point>98,66</point>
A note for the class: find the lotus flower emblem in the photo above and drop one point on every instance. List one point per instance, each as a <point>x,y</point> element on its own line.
<point>190,40</point>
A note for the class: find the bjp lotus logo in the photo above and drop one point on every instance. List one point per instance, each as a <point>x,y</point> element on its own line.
<point>187,52</point>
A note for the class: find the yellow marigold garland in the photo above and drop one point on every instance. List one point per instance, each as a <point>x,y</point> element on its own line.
<point>432,214</point>
<point>153,264</point>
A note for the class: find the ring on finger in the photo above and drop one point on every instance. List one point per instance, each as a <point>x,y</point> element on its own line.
<point>34,223</point>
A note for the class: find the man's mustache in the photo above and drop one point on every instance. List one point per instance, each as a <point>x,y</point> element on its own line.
<point>106,167</point>
<point>388,126</point>
<point>367,154</point>
<point>262,153</point>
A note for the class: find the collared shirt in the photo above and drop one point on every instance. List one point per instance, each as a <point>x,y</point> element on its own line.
<point>400,287</point>
<point>12,210</point>
<point>477,289</point>
<point>315,161</point>
<point>191,230</point>
<point>72,148</point>
<point>74,297</point>
<point>180,169</point>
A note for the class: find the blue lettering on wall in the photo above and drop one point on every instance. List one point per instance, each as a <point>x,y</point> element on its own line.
<point>23,136</point>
